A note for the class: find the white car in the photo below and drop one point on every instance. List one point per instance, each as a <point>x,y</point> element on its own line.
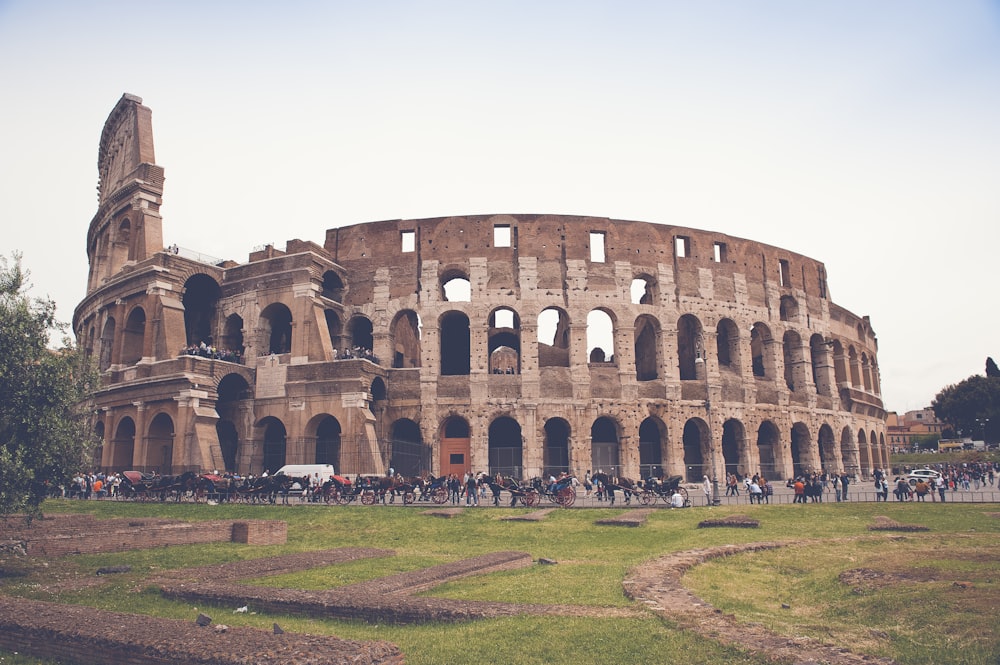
<point>928,475</point>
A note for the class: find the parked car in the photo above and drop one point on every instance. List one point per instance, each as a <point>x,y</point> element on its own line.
<point>929,475</point>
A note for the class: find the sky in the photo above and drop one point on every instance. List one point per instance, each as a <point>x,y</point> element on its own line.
<point>863,134</point>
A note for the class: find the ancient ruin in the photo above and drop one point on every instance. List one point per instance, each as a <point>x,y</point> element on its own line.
<point>515,344</point>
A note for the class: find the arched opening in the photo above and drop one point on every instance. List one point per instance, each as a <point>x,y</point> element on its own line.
<point>647,361</point>
<point>839,363</point>
<point>409,456</point>
<point>734,449</point>
<point>456,288</point>
<point>160,445</point>
<point>201,295</point>
<point>794,361</point>
<point>455,344</point>
<point>506,448</point>
<point>134,336</point>
<point>866,373</point>
<point>855,366</point>
<point>405,332</point>
<point>827,449</point>
<point>233,406</point>
<point>727,345</point>
<point>651,440</point>
<point>504,341</point>
<point>789,309</point>
<point>98,456</point>
<point>769,449</point>
<point>333,286</point>
<point>697,448</point>
<point>802,462</point>
<point>276,328</point>
<point>378,389</point>
<point>107,344</point>
<point>232,336</point>
<point>760,351</point>
<point>275,444</point>
<point>362,335</point>
<point>455,442</point>
<point>328,442</point>
<point>689,348</point>
<point>864,454</point>
<point>334,330</point>
<point>123,445</point>
<point>555,453</point>
<point>553,338</point>
<point>600,336</point>
<point>604,446</point>
<point>643,290</point>
<point>848,452</point>
<point>819,360</point>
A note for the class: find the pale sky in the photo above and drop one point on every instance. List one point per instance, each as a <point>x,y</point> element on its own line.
<point>862,134</point>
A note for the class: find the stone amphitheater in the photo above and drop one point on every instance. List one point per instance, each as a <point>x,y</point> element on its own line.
<point>523,344</point>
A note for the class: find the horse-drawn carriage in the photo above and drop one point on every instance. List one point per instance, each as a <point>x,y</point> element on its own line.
<point>561,492</point>
<point>608,484</point>
<point>520,493</point>
<point>655,488</point>
<point>143,486</point>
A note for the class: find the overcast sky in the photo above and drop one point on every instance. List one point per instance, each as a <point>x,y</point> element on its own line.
<point>862,134</point>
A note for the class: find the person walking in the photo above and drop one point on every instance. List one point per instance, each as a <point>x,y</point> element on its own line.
<point>706,486</point>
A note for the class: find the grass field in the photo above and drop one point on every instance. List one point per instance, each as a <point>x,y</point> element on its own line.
<point>928,597</point>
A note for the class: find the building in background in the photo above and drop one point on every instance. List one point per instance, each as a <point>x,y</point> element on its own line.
<point>514,344</point>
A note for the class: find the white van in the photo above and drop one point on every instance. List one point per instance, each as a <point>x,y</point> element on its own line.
<point>320,471</point>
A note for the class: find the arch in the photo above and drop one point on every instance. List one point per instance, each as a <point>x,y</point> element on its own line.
<point>98,456</point>
<point>232,336</point>
<point>362,333</point>
<point>600,336</point>
<point>378,389</point>
<point>506,448</point>
<point>201,296</point>
<point>456,344</point>
<point>123,445</point>
<point>652,437</point>
<point>107,344</point>
<point>690,348</point>
<point>555,449</point>
<point>405,339</point>
<point>734,448</point>
<point>229,443</point>
<point>455,445</point>
<point>848,452</point>
<point>160,444</point>
<point>769,450</point>
<point>794,361</point>
<point>819,362</point>
<point>864,457</point>
<point>553,338</point>
<point>761,351</point>
<point>866,373</point>
<point>854,365</point>
<point>604,446</point>
<point>800,447</point>
<point>276,329</point>
<point>504,341</point>
<point>839,363</point>
<point>328,433</point>
<point>407,453</point>
<point>275,444</point>
<point>456,287</point>
<point>643,290</point>
<point>647,346</point>
<point>334,330</point>
<point>828,459</point>
<point>233,406</point>
<point>697,448</point>
<point>727,345</point>
<point>788,310</point>
<point>333,286</point>
<point>134,336</point>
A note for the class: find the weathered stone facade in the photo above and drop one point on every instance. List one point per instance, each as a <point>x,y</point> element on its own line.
<point>521,344</point>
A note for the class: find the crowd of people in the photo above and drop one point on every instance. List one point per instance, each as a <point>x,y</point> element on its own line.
<point>356,352</point>
<point>204,350</point>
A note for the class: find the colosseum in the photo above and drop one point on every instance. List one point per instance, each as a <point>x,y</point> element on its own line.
<point>521,344</point>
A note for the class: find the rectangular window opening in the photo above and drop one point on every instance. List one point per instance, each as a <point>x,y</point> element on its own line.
<point>785,272</point>
<point>409,239</point>
<point>682,247</point>
<point>597,246</point>
<point>720,252</point>
<point>501,235</point>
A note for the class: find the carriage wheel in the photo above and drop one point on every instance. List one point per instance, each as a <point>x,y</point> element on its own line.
<point>647,497</point>
<point>530,498</point>
<point>409,497</point>
<point>440,496</point>
<point>368,497</point>
<point>566,497</point>
<point>341,498</point>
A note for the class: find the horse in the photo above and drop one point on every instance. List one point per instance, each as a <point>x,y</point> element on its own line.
<point>611,483</point>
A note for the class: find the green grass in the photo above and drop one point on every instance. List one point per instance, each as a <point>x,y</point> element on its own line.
<point>915,619</point>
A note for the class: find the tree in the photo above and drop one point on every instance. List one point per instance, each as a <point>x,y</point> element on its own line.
<point>992,370</point>
<point>971,407</point>
<point>43,429</point>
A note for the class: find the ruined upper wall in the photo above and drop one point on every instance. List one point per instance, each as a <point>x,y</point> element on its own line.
<point>552,240</point>
<point>126,143</point>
